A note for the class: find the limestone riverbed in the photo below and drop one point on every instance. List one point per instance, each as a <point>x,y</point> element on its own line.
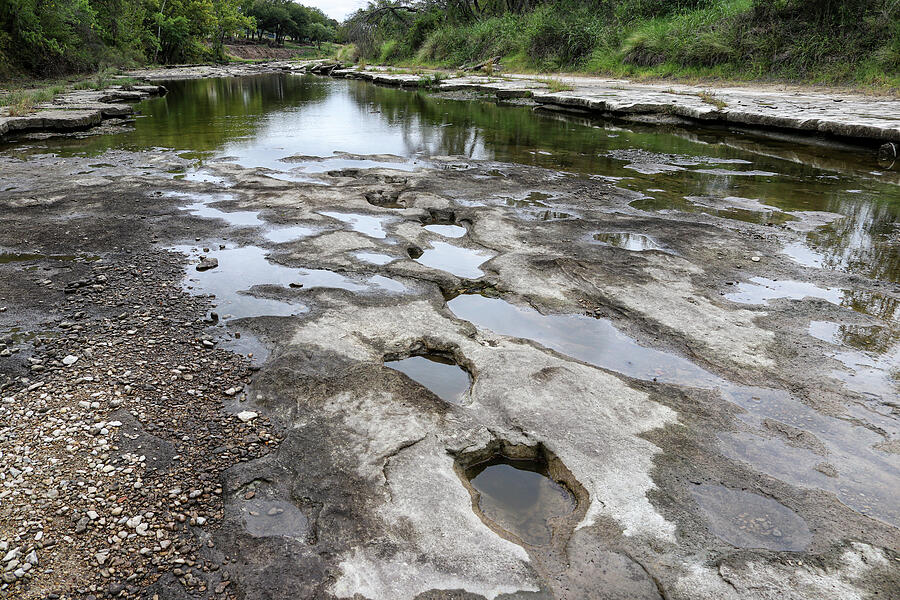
<point>304,337</point>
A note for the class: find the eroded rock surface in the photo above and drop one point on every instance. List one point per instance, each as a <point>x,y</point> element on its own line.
<point>664,402</point>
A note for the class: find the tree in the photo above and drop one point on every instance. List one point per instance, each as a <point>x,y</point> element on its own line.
<point>229,20</point>
<point>319,32</point>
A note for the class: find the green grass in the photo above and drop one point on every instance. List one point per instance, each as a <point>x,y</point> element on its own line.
<point>710,98</point>
<point>432,80</point>
<point>104,78</point>
<point>855,43</point>
<point>23,102</point>
<point>556,85</point>
<point>32,93</point>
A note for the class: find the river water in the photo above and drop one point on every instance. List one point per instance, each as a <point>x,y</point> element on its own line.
<point>261,120</point>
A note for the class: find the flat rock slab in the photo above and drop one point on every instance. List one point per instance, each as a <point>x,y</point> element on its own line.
<point>51,119</point>
<point>80,109</point>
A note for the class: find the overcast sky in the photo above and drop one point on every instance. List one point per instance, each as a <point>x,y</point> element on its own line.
<point>336,9</point>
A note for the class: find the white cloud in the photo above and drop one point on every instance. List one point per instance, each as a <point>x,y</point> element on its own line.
<point>336,9</point>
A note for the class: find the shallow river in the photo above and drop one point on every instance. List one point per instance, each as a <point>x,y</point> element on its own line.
<point>261,120</point>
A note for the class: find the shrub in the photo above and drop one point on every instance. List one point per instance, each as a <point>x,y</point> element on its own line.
<point>557,40</point>
<point>646,47</point>
<point>388,51</point>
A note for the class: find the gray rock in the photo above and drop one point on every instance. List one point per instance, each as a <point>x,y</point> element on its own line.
<point>207,263</point>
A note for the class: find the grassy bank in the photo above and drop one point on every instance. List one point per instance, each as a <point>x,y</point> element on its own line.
<point>21,96</point>
<point>854,42</point>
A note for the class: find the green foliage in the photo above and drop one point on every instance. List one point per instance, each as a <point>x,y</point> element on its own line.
<point>821,40</point>
<point>557,85</point>
<point>22,102</point>
<point>557,40</point>
<point>53,37</point>
<point>279,19</point>
<point>431,80</point>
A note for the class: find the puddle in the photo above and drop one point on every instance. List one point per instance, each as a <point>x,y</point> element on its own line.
<point>204,176</point>
<point>636,242</point>
<point>867,478</point>
<point>244,218</point>
<point>441,375</point>
<point>455,260</point>
<point>748,520</point>
<point>243,268</point>
<point>245,343</point>
<point>450,231</point>
<point>804,256</point>
<point>533,199</point>
<point>552,215</point>
<point>365,224</point>
<point>834,455</point>
<point>595,341</point>
<point>825,331</point>
<point>240,269</point>
<point>238,218</point>
<point>375,258</point>
<point>273,518</point>
<point>289,233</point>
<point>519,497</point>
<point>386,283</point>
<point>761,290</point>
<point>873,374</point>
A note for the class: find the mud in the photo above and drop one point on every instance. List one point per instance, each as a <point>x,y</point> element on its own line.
<point>685,399</point>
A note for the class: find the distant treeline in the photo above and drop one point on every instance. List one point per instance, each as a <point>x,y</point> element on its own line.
<point>830,40</point>
<point>53,37</point>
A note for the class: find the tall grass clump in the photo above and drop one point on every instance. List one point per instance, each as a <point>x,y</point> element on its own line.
<point>819,40</point>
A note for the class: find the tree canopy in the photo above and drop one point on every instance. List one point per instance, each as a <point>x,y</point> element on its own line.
<point>52,37</point>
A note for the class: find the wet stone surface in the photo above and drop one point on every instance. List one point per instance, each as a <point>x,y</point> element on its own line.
<point>698,405</point>
<point>748,520</point>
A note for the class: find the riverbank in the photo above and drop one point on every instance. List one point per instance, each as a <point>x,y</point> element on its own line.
<point>844,115</point>
<point>841,115</point>
<point>699,372</point>
<point>802,41</point>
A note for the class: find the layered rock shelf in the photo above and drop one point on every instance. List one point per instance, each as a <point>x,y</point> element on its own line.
<point>80,109</point>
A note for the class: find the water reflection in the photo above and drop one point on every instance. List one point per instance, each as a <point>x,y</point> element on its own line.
<point>259,120</point>
<point>242,268</point>
<point>762,289</point>
<point>440,375</point>
<point>456,260</point>
<point>635,242</point>
<point>519,497</point>
<point>862,476</point>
